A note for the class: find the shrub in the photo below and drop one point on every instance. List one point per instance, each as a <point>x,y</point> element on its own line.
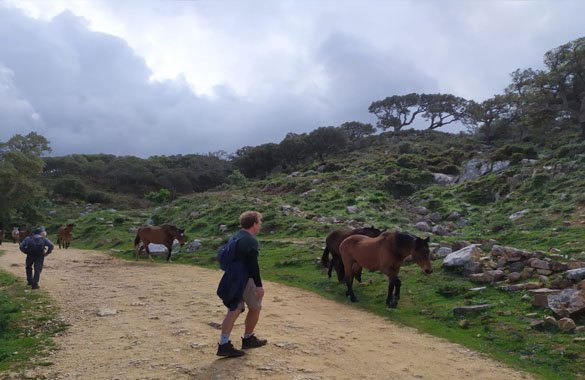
<point>70,187</point>
<point>98,197</point>
<point>162,196</point>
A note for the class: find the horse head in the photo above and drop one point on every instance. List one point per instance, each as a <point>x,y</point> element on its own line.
<point>422,254</point>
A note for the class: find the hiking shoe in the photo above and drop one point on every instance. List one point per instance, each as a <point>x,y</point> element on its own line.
<point>252,342</point>
<point>35,286</point>
<point>228,349</point>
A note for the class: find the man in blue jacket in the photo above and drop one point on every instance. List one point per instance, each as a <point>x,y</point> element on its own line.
<point>34,248</point>
<point>249,290</point>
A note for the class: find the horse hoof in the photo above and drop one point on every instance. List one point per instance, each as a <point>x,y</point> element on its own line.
<point>353,299</point>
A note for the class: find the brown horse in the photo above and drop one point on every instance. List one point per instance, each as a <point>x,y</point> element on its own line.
<point>165,234</point>
<point>384,253</point>
<point>64,235</point>
<point>22,234</point>
<point>332,246</point>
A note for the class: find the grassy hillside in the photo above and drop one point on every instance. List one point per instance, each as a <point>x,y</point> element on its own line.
<point>387,180</point>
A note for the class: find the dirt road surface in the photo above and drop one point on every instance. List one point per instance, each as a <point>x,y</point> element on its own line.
<point>166,327</point>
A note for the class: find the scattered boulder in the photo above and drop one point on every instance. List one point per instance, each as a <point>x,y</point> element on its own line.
<point>568,303</point>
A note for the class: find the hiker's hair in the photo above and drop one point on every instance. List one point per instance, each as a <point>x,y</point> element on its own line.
<point>248,218</point>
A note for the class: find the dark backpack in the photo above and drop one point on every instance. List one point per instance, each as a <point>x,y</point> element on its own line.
<point>35,246</point>
<point>226,254</point>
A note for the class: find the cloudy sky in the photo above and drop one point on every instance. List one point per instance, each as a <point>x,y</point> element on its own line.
<point>150,78</point>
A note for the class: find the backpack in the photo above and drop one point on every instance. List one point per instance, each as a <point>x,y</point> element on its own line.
<point>35,246</point>
<point>226,254</point>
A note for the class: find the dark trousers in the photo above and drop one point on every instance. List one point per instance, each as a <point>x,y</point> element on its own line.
<point>35,262</point>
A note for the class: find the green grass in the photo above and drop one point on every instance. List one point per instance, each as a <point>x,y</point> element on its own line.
<point>28,321</point>
<point>427,303</point>
<point>291,242</point>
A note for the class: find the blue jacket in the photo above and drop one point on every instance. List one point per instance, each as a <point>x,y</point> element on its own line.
<point>232,284</point>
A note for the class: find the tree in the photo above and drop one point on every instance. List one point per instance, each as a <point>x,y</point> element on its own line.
<point>20,169</point>
<point>489,116</point>
<point>292,149</point>
<point>257,161</point>
<point>32,144</point>
<point>566,79</point>
<point>443,109</point>
<point>354,130</point>
<point>326,140</point>
<point>396,111</point>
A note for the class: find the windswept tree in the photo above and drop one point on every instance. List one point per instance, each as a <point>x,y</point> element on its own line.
<point>490,116</point>
<point>396,111</point>
<point>443,109</point>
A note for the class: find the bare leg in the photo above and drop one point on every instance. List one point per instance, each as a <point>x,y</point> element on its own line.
<point>228,322</point>
<point>251,320</point>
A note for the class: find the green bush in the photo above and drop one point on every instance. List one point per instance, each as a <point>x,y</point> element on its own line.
<point>162,196</point>
<point>98,197</point>
<point>70,187</point>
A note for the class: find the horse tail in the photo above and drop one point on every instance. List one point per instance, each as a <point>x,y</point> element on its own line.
<point>325,258</point>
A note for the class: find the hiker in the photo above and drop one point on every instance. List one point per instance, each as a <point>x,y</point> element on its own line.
<point>34,248</point>
<point>241,283</point>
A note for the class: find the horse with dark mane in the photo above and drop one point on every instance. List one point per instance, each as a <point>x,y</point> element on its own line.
<point>384,253</point>
<point>332,243</point>
<point>64,235</point>
<point>165,234</point>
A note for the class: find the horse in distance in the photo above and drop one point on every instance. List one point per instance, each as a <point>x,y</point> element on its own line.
<point>22,234</point>
<point>384,253</point>
<point>332,243</point>
<point>15,234</point>
<point>64,235</point>
<point>165,234</point>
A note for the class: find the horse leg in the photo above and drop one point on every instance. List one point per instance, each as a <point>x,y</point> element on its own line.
<point>169,248</point>
<point>325,260</point>
<point>339,269</point>
<point>397,291</point>
<point>393,292</point>
<point>330,265</point>
<point>358,276</point>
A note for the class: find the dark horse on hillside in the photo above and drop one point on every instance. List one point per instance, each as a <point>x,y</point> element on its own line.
<point>165,234</point>
<point>384,253</point>
<point>332,243</point>
<point>64,235</point>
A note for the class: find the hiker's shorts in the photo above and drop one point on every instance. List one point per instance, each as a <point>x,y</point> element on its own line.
<point>251,297</point>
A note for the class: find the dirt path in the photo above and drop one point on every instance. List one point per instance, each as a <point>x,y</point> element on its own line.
<point>166,328</point>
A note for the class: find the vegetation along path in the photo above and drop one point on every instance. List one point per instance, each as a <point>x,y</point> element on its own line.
<point>166,327</point>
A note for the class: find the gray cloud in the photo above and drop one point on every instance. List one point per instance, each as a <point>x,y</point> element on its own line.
<point>91,92</point>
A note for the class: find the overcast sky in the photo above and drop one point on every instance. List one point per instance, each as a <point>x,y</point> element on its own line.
<point>147,78</point>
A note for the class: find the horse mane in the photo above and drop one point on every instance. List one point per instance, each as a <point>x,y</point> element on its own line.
<point>404,239</point>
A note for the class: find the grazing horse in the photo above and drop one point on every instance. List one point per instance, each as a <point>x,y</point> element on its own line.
<point>332,243</point>
<point>64,235</point>
<point>15,234</point>
<point>384,253</point>
<point>165,234</point>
